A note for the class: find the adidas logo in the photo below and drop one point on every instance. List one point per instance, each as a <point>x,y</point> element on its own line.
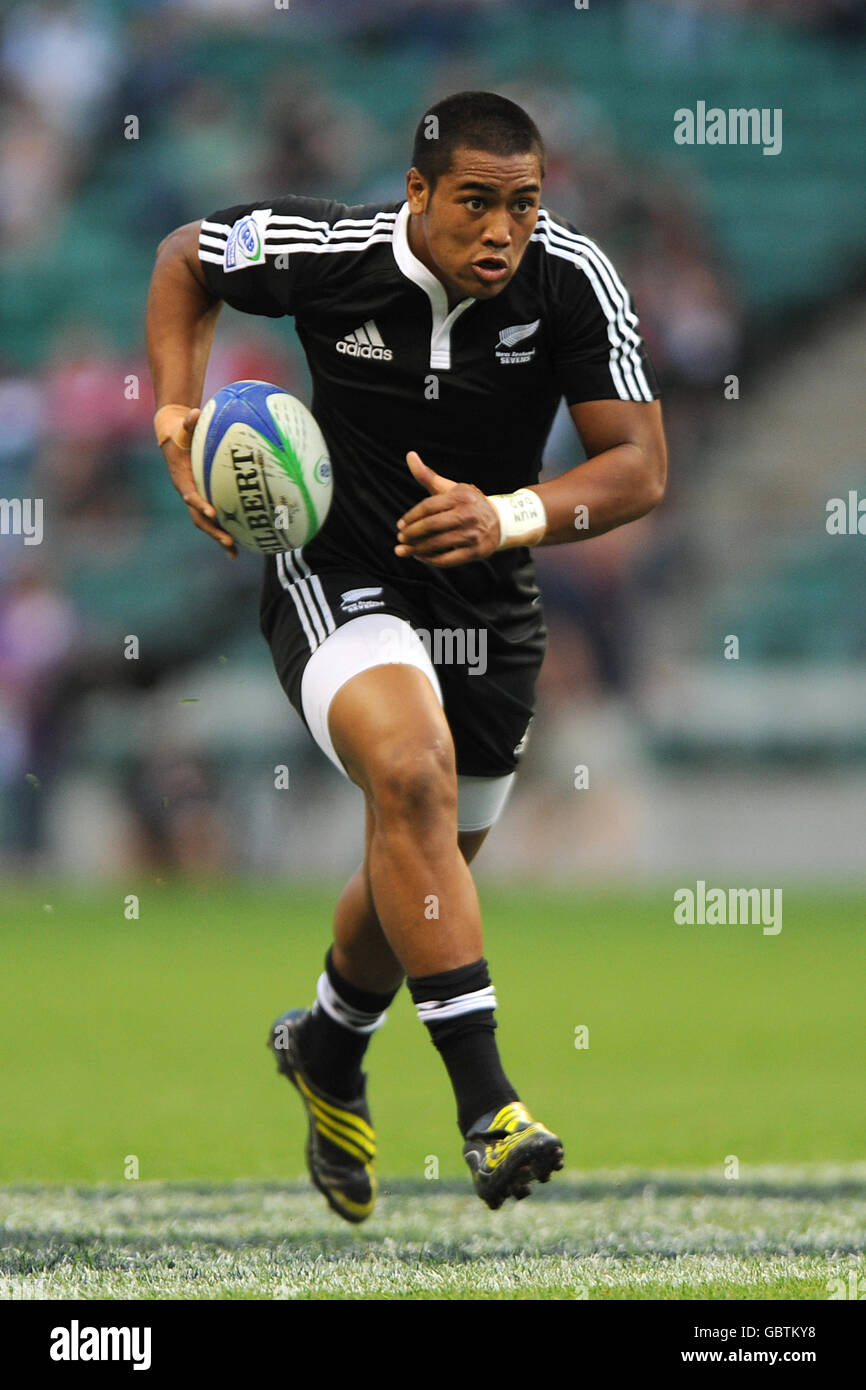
<point>365,342</point>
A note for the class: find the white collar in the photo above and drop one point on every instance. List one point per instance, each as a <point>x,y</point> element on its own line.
<point>417,272</point>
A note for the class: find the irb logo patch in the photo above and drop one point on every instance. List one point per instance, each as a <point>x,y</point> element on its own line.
<point>246,241</point>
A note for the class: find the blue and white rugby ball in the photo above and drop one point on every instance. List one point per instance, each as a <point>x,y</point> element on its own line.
<point>259,458</point>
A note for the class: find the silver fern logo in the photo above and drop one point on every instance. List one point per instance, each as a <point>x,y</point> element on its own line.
<point>510,337</point>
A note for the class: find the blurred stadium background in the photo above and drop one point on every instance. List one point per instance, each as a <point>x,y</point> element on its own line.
<point>120,774</point>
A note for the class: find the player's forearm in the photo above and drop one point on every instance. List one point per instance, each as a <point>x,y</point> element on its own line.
<point>181,320</point>
<point>608,490</point>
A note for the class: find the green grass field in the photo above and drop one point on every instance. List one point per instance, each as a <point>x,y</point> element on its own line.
<point>785,1234</point>
<point>710,1049</point>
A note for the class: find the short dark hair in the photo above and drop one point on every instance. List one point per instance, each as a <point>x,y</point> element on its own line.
<point>473,121</point>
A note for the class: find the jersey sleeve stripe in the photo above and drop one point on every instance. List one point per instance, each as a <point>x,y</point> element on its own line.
<point>614,301</point>
<point>212,247</point>
<point>277,248</point>
<point>307,232</point>
<point>630,356</point>
<point>380,218</point>
<point>354,223</point>
<point>291,234</point>
<point>303,234</point>
<point>294,220</point>
<point>336,233</point>
<point>626,389</point>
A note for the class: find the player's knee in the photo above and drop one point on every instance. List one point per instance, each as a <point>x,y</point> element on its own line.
<point>413,779</point>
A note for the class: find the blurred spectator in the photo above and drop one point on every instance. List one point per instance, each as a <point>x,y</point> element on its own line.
<point>161,59</point>
<point>589,593</point>
<point>245,353</point>
<point>65,56</point>
<point>216,152</point>
<point>181,823</point>
<point>319,142</point>
<point>38,630</point>
<point>84,388</point>
<point>37,169</point>
<point>22,410</point>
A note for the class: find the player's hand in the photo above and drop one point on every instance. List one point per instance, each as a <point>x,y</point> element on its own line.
<point>177,456</point>
<point>455,524</point>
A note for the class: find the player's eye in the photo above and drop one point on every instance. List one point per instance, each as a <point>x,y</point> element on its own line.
<point>524,204</point>
<point>475,203</point>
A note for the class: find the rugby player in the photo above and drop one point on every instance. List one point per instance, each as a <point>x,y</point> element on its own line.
<point>441,331</point>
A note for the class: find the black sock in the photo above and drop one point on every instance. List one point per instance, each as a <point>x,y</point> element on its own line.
<point>462,1029</point>
<point>333,1047</point>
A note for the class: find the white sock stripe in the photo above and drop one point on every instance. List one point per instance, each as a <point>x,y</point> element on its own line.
<point>445,1012</point>
<point>434,1010</point>
<point>356,1020</point>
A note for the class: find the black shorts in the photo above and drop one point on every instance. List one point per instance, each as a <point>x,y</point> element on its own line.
<point>487,674</point>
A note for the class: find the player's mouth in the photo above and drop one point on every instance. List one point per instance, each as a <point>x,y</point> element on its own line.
<point>491,269</point>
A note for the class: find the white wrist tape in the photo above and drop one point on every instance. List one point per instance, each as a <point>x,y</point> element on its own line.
<point>522,517</point>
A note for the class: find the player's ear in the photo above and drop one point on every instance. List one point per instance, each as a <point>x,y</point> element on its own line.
<point>417,191</point>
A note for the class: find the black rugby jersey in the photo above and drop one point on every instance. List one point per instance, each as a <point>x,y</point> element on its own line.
<point>473,389</point>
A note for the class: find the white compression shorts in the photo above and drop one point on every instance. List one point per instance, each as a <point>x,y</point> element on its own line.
<point>381,639</point>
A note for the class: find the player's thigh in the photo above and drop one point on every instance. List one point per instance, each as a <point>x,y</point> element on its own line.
<point>389,730</point>
<point>405,717</point>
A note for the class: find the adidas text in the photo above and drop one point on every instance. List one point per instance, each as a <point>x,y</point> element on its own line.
<point>352,349</point>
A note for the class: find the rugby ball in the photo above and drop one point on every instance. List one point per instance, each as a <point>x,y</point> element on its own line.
<point>259,458</point>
